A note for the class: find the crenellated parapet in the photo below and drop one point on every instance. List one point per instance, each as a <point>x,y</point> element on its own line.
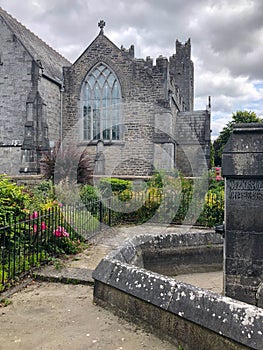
<point>182,71</point>
<point>128,52</point>
<point>183,50</point>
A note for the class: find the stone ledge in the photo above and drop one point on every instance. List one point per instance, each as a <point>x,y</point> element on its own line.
<point>229,320</point>
<point>166,325</point>
<point>65,275</point>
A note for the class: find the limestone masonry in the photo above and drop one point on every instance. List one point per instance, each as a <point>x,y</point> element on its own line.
<point>242,168</point>
<point>134,116</point>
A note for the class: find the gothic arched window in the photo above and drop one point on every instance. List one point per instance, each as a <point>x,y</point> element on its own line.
<point>101,105</point>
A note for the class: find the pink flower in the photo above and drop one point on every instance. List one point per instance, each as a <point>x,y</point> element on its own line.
<point>218,178</point>
<point>43,226</point>
<point>57,232</point>
<point>60,232</point>
<point>34,215</point>
<point>35,228</point>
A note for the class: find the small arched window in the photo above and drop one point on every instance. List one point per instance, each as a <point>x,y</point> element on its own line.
<point>101,105</point>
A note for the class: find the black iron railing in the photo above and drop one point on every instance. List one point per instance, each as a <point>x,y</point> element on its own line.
<point>31,240</point>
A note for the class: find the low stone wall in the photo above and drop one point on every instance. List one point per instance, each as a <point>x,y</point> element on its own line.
<point>185,314</point>
<point>27,180</point>
<point>180,254</point>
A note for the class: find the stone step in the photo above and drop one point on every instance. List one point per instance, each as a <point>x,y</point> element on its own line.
<point>65,275</point>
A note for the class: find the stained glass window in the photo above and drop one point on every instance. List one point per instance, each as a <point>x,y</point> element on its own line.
<point>101,105</point>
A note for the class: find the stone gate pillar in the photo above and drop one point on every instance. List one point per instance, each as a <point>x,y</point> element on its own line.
<point>242,167</point>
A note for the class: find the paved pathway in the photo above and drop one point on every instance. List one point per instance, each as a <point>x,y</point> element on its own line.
<point>79,268</point>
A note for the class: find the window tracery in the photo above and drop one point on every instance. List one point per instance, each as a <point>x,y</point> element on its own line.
<point>101,105</point>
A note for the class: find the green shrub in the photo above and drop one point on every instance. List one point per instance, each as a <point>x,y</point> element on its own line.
<point>88,194</point>
<point>90,197</point>
<point>161,178</point>
<point>157,180</point>
<point>110,186</point>
<point>13,199</point>
<point>170,199</point>
<point>36,228</point>
<point>213,210</point>
<point>125,195</point>
<point>40,195</point>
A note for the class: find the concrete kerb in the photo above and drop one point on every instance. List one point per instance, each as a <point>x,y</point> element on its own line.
<point>65,275</point>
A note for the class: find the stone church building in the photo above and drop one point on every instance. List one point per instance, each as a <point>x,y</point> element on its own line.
<point>131,115</point>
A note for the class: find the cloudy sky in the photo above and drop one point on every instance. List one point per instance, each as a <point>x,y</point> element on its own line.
<point>226,37</point>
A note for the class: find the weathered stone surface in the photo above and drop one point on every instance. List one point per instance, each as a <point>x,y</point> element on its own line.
<point>173,261</point>
<point>128,288</point>
<point>238,291</point>
<point>243,154</point>
<point>243,170</point>
<point>128,251</point>
<point>29,67</point>
<point>226,316</point>
<point>176,329</point>
<point>142,284</point>
<point>182,240</point>
<point>68,275</point>
<point>176,253</point>
<point>259,295</point>
<point>182,253</point>
<point>104,270</point>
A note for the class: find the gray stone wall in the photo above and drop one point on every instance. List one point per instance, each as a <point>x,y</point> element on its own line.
<point>15,84</point>
<point>18,83</point>
<point>27,180</point>
<point>50,93</point>
<point>143,92</point>
<point>10,160</point>
<point>149,94</point>
<point>193,141</point>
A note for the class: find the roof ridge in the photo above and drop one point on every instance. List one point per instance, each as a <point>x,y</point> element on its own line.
<point>32,33</point>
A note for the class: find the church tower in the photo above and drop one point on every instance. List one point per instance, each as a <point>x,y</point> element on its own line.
<point>182,71</point>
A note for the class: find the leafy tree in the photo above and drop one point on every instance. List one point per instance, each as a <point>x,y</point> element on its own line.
<point>237,118</point>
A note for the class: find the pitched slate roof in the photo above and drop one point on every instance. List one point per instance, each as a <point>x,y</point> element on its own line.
<point>51,60</point>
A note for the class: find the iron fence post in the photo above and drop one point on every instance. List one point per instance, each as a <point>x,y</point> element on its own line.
<point>100,214</point>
